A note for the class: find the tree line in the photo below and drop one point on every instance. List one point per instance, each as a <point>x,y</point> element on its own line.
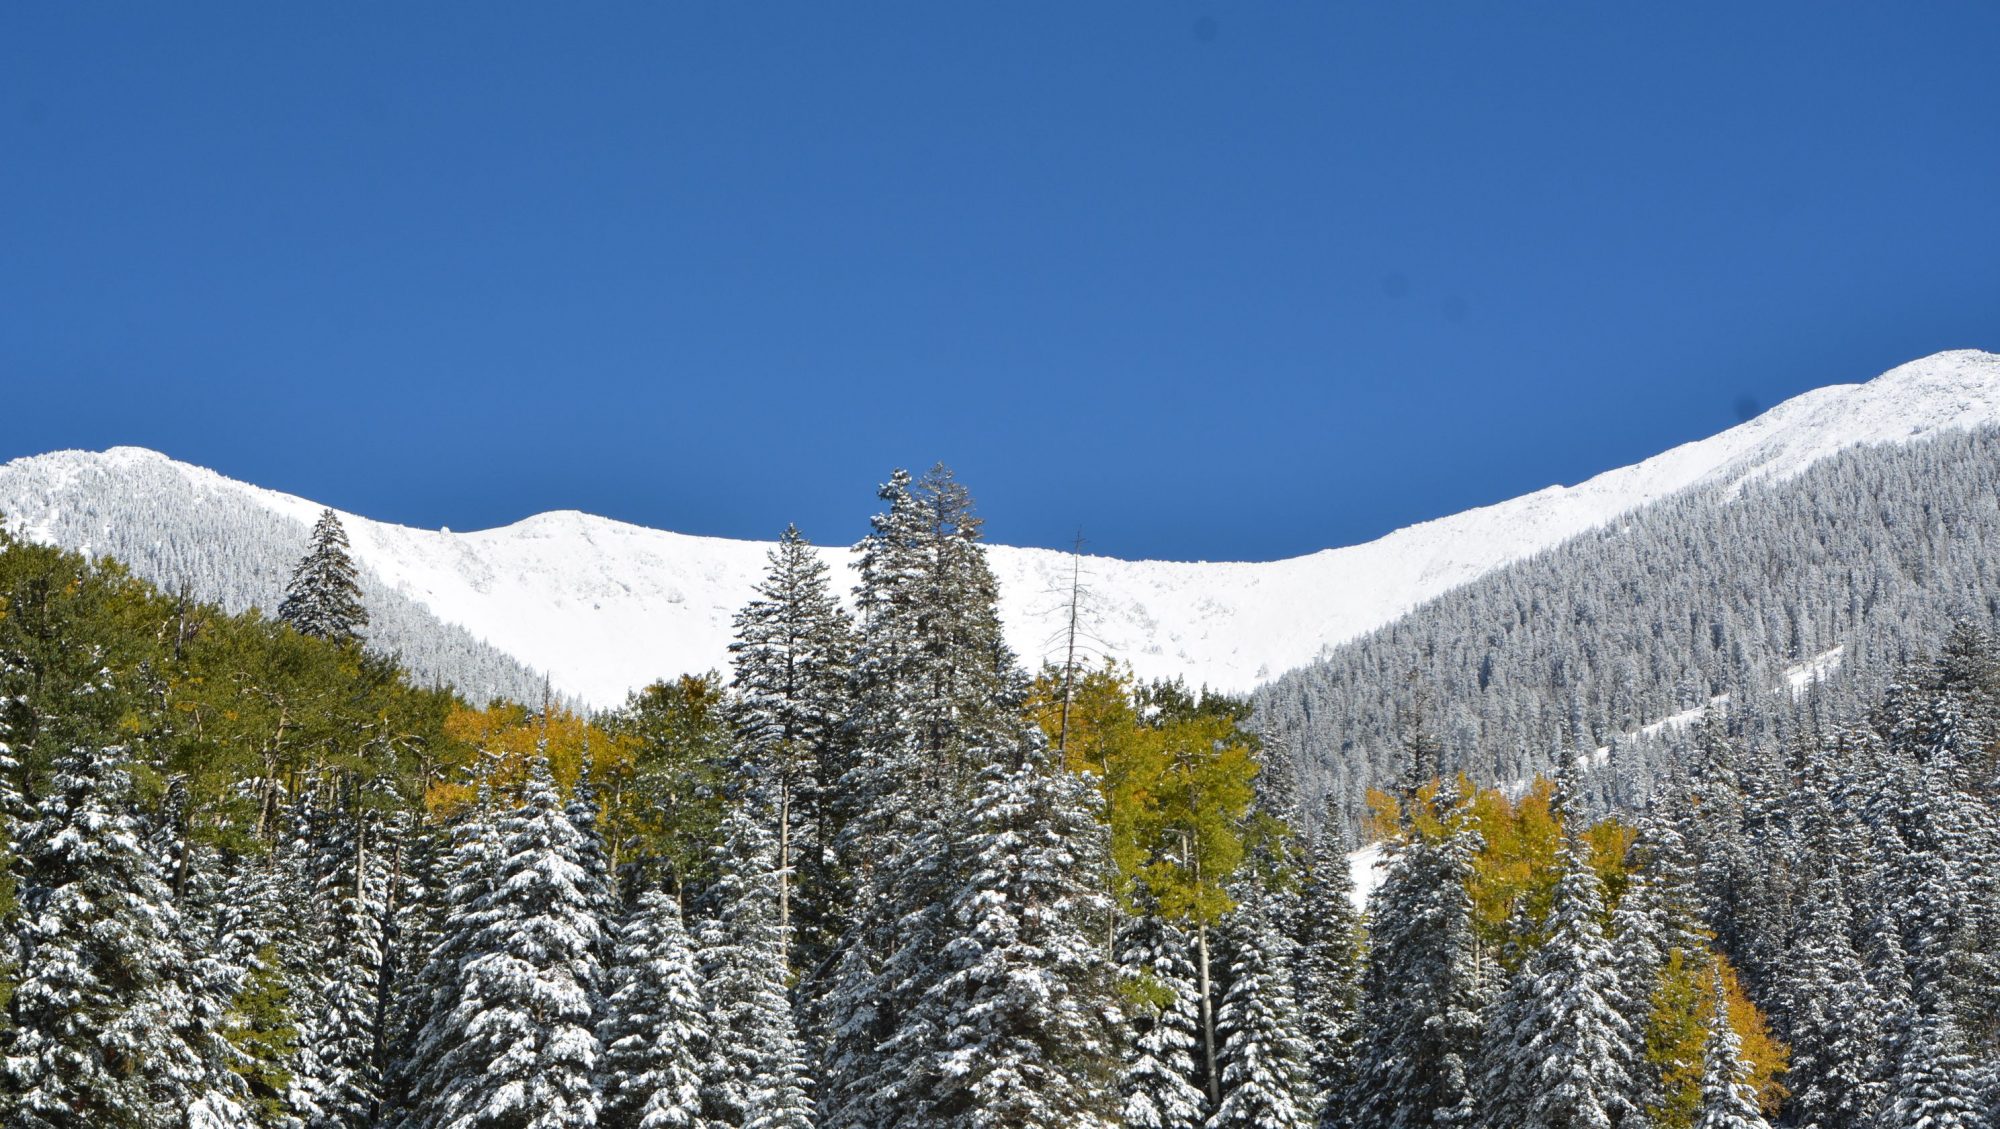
<point>883,876</point>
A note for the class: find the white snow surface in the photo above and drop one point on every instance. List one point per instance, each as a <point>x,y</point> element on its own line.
<point>604,606</point>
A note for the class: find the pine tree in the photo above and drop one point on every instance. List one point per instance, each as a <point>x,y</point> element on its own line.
<point>353,894</point>
<point>1423,984</point>
<point>654,1030</point>
<point>105,1030</point>
<point>1835,1019</point>
<point>1726,1102</point>
<point>755,1075</point>
<point>791,653</point>
<point>1936,1081</point>
<point>1266,1079</point>
<point>934,687</point>
<point>1158,1086</point>
<point>1021,1013</point>
<point>1328,969</point>
<point>527,1051</point>
<point>323,598</point>
<point>1558,1050</point>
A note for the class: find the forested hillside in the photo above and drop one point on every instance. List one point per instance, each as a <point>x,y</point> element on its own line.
<point>1847,573</point>
<point>883,876</point>
<point>192,539</point>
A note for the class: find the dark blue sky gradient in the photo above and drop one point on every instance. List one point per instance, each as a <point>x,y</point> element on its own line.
<point>1239,281</point>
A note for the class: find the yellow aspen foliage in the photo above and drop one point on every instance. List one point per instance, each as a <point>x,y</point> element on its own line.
<point>505,736</point>
<point>1514,873</point>
<point>1176,787</point>
<point>1677,1034</point>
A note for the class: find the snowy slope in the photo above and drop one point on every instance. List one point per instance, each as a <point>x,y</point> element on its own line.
<point>605,606</point>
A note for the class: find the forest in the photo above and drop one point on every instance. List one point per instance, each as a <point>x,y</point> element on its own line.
<point>877,875</point>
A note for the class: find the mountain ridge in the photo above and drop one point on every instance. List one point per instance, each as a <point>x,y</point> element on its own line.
<point>604,606</point>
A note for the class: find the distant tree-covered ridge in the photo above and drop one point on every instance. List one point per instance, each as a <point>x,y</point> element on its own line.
<point>878,874</point>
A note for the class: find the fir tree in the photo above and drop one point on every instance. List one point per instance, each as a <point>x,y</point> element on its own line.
<point>323,598</point>
<point>1558,1049</point>
<point>654,1031</point>
<point>1266,1079</point>
<point>755,1076</point>
<point>527,1051</point>
<point>1726,1101</point>
<point>104,1027</point>
<point>1158,1086</point>
<point>1022,1010</point>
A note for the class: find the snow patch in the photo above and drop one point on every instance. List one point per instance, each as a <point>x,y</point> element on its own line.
<point>660,604</point>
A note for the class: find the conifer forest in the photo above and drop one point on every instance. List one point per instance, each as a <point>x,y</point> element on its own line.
<point>879,874</point>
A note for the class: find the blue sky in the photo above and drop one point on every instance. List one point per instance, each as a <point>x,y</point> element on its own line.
<point>1235,281</point>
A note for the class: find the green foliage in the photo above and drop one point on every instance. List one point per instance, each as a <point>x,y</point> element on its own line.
<point>262,1028</point>
<point>665,812</point>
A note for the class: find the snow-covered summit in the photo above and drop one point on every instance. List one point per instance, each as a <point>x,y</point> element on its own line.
<point>605,606</point>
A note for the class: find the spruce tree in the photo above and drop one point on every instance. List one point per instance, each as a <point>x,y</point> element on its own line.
<point>1557,1053</point>
<point>1423,984</point>
<point>791,654</point>
<point>1157,1086</point>
<point>935,687</point>
<point>1266,1078</point>
<point>1936,1084</point>
<point>654,1031</point>
<point>526,1052</point>
<point>755,1076</point>
<point>1834,1018</point>
<point>353,895</point>
<point>1327,971</point>
<point>468,907</point>
<point>104,1030</point>
<point>1726,1101</point>
<point>323,598</point>
<point>1020,1017</point>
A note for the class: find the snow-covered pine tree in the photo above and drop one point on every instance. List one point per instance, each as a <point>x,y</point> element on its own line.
<point>104,1028</point>
<point>1265,1066</point>
<point>261,1024</point>
<point>526,1052</point>
<point>755,1076</point>
<point>791,653</point>
<point>654,1030</point>
<point>1936,1084</point>
<point>934,685</point>
<point>1327,970</point>
<point>1023,1011</point>
<point>323,598</point>
<point>1638,954</point>
<point>352,894</point>
<point>1557,1053</point>
<point>1157,1085</point>
<point>1726,1099</point>
<point>1423,986</point>
<point>1834,1017</point>
<point>467,906</point>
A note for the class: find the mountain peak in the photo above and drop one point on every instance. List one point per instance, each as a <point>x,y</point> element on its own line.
<point>606,606</point>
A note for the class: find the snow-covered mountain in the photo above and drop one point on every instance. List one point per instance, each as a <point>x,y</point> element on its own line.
<point>603,606</point>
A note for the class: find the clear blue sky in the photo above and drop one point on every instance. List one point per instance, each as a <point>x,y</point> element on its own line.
<point>1230,281</point>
